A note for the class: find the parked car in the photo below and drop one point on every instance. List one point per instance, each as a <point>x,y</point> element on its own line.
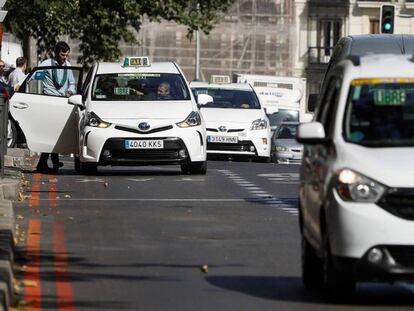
<point>285,148</point>
<point>356,195</point>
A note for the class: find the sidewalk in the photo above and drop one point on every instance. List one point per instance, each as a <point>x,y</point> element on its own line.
<point>16,161</point>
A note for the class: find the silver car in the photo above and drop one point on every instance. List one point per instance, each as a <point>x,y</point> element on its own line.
<point>285,148</point>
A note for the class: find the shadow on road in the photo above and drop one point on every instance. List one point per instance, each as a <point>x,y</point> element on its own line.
<point>290,289</point>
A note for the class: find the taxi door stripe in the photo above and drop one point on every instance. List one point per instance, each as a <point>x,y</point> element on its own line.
<point>33,293</point>
<point>63,286</point>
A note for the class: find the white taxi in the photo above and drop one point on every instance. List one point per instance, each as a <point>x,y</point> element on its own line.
<point>129,113</point>
<point>356,195</point>
<point>236,122</point>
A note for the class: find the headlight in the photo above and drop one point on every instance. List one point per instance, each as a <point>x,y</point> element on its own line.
<point>259,124</point>
<point>193,119</point>
<point>355,187</point>
<point>281,149</point>
<point>94,121</point>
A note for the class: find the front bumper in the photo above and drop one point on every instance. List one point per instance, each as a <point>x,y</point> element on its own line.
<point>288,157</point>
<point>250,143</point>
<point>106,147</point>
<point>356,228</point>
<point>396,264</point>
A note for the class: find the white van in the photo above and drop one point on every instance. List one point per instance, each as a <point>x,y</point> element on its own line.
<point>356,196</point>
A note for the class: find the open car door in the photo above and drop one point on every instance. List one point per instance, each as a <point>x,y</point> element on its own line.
<point>41,109</point>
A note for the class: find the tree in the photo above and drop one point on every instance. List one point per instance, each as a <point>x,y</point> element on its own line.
<point>101,25</point>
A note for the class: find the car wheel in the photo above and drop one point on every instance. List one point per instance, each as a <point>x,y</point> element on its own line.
<point>88,168</point>
<point>11,134</point>
<point>337,285</point>
<point>312,268</point>
<point>76,161</point>
<point>194,168</point>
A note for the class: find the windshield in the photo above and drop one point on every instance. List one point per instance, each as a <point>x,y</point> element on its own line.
<point>287,131</point>
<point>281,116</point>
<point>380,114</point>
<point>226,98</point>
<point>139,87</point>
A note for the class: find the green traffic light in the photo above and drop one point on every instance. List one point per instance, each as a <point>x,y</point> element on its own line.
<point>387,26</point>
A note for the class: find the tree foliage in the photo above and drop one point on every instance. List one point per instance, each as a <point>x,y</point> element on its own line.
<point>101,25</point>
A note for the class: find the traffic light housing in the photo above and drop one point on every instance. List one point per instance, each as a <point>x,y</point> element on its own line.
<point>387,18</point>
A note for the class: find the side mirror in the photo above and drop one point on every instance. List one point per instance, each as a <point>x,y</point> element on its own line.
<point>204,99</point>
<point>76,100</point>
<point>312,102</point>
<point>271,109</point>
<point>311,133</point>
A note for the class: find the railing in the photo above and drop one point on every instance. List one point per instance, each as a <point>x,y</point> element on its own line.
<point>319,54</point>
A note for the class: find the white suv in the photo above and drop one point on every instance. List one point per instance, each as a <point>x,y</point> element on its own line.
<point>357,187</point>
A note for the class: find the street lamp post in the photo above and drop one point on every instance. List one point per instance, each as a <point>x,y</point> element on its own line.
<point>197,56</point>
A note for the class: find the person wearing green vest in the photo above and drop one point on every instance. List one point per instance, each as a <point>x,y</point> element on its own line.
<point>57,82</point>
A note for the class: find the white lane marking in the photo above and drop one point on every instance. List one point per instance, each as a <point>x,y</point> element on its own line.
<point>251,188</point>
<point>140,179</point>
<point>190,179</point>
<point>257,191</point>
<point>248,185</point>
<point>85,180</point>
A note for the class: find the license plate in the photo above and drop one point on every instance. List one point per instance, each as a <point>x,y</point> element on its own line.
<point>223,139</point>
<point>144,144</point>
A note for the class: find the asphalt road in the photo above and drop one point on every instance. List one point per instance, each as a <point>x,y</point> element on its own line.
<point>149,238</point>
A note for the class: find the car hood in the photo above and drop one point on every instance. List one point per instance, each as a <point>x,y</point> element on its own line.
<point>174,110</point>
<point>228,116</point>
<point>393,167</point>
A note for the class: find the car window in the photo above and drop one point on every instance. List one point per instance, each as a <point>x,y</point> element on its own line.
<point>287,132</point>
<point>326,115</point>
<point>380,114</point>
<point>139,87</point>
<point>53,81</point>
<point>227,98</point>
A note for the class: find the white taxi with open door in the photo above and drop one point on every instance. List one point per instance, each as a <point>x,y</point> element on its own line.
<point>129,113</point>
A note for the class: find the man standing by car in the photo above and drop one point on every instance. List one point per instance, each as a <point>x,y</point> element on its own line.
<point>57,82</point>
<point>17,75</point>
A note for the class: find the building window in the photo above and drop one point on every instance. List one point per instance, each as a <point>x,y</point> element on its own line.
<point>374,26</point>
<point>329,32</point>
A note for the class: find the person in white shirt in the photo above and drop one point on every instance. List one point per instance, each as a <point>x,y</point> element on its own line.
<point>17,76</point>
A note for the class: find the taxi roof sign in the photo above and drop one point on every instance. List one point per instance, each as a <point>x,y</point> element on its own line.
<point>220,79</point>
<point>140,61</point>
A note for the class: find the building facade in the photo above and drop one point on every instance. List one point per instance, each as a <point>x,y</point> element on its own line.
<point>322,22</point>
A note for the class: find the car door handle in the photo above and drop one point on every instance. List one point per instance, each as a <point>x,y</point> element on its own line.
<point>20,106</point>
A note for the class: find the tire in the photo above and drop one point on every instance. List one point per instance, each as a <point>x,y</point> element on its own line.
<point>194,168</point>
<point>77,164</point>
<point>312,267</point>
<point>262,159</point>
<point>88,168</point>
<point>11,134</point>
<point>338,286</point>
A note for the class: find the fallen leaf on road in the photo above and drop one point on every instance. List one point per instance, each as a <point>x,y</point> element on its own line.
<point>105,184</point>
<point>29,283</point>
<point>20,197</point>
<point>71,218</point>
<point>20,217</point>
<point>67,196</point>
<point>204,268</point>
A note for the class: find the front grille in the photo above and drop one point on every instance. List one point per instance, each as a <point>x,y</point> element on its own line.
<point>114,151</point>
<point>297,150</point>
<point>235,130</point>
<point>399,202</point>
<point>241,146</point>
<point>403,255</point>
<point>137,131</point>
